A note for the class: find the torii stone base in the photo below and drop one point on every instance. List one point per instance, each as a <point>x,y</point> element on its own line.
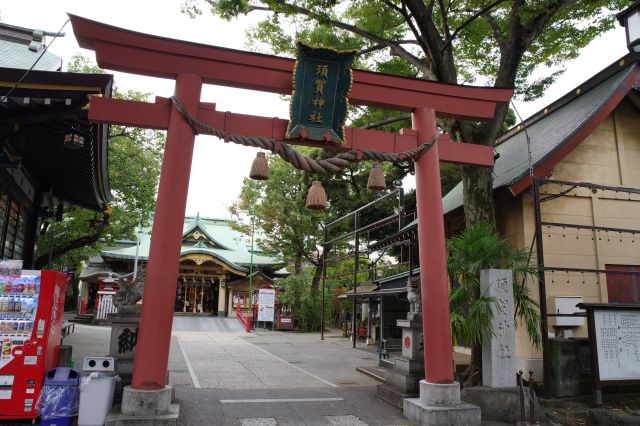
<point>440,405</point>
<point>145,408</point>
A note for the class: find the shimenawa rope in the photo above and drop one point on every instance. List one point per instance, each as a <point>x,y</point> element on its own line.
<point>297,159</point>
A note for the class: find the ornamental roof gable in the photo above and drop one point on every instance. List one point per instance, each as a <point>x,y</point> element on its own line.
<point>198,232</point>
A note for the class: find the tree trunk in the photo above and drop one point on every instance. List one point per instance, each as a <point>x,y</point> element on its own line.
<point>477,183</point>
<point>472,376</point>
<point>297,264</point>
<point>317,274</point>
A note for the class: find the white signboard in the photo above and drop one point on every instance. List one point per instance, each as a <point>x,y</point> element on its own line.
<point>618,344</point>
<point>266,304</point>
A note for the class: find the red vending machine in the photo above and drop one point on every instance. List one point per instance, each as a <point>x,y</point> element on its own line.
<point>31,308</point>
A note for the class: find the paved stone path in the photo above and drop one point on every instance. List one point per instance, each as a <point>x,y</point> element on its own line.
<point>271,378</point>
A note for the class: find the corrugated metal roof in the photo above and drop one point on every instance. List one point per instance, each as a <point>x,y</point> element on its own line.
<point>546,135</point>
<point>14,55</point>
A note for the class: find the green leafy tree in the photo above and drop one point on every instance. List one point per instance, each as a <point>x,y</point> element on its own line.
<point>500,43</point>
<point>476,248</point>
<point>284,226</point>
<point>135,158</point>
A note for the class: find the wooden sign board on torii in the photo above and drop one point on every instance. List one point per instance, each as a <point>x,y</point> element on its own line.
<point>192,65</point>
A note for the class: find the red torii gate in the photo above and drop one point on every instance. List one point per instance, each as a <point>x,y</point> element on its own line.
<point>191,65</point>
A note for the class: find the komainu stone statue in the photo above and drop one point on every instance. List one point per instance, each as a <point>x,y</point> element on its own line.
<point>414,298</point>
<point>130,294</point>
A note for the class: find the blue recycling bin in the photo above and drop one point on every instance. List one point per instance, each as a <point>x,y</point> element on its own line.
<point>59,397</point>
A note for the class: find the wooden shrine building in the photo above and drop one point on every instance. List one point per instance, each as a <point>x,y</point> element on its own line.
<point>50,154</point>
<point>215,261</point>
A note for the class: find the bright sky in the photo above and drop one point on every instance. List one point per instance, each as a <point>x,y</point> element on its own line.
<point>218,169</point>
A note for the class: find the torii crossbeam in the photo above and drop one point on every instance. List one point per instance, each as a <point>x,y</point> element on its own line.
<point>192,65</point>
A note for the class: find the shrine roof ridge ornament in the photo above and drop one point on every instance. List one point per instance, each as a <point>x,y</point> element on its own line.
<point>124,50</point>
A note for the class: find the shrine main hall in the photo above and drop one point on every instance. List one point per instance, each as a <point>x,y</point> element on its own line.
<point>215,265</point>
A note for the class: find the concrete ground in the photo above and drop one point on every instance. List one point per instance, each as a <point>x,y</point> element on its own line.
<point>224,376</point>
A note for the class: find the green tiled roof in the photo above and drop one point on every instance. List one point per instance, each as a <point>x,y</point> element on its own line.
<point>223,242</point>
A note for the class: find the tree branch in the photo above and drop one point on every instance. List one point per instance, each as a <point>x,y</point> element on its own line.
<point>393,46</point>
<point>419,37</point>
<point>386,121</point>
<point>497,32</point>
<point>468,21</point>
<point>443,18</point>
<point>380,47</point>
<point>81,242</point>
<point>535,25</point>
<point>265,8</point>
<point>443,65</point>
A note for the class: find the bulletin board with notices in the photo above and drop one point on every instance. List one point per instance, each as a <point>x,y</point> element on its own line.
<point>618,344</point>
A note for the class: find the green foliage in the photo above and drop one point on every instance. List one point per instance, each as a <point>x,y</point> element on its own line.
<point>284,226</point>
<point>307,305</point>
<point>135,159</point>
<point>474,249</point>
<point>552,32</point>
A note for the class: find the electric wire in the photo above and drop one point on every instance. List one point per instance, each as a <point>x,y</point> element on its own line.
<point>46,47</point>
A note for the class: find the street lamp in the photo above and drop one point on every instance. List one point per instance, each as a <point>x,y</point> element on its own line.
<point>630,20</point>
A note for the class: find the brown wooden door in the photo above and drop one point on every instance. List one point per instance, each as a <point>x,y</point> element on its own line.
<point>622,288</point>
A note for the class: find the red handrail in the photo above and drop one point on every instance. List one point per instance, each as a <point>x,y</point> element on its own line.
<point>245,317</point>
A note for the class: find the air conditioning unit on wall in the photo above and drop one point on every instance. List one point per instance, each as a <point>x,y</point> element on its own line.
<point>567,305</point>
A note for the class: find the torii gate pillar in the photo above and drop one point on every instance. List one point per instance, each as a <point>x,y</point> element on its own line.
<point>434,285</point>
<point>149,395</point>
<point>164,255</point>
<point>439,402</point>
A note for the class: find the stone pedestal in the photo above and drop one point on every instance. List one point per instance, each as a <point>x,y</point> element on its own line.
<point>145,408</point>
<point>124,337</point>
<point>440,405</point>
<point>402,380</point>
<point>499,351</point>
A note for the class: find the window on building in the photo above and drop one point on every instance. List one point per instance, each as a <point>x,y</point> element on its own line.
<point>240,297</point>
<point>13,228</point>
<point>623,287</point>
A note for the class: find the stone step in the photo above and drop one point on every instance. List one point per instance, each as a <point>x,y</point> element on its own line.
<point>376,373</point>
<point>385,363</point>
<point>391,395</point>
<point>82,319</point>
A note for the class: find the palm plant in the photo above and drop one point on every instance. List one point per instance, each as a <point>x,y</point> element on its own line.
<point>474,249</point>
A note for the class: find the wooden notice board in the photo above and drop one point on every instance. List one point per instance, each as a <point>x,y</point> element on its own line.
<point>614,335</point>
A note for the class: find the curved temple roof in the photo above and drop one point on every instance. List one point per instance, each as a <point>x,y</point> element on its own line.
<point>213,237</point>
<point>37,116</point>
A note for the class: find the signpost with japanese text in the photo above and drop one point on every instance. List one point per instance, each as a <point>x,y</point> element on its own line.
<point>266,304</point>
<point>322,81</point>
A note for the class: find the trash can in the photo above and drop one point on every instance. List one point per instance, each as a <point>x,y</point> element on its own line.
<point>58,401</point>
<point>97,384</point>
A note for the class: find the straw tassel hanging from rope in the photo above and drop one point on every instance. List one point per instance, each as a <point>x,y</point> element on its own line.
<point>376,178</point>
<point>316,198</point>
<point>259,168</point>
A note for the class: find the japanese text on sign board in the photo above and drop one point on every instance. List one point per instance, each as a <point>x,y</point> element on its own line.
<point>322,81</point>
